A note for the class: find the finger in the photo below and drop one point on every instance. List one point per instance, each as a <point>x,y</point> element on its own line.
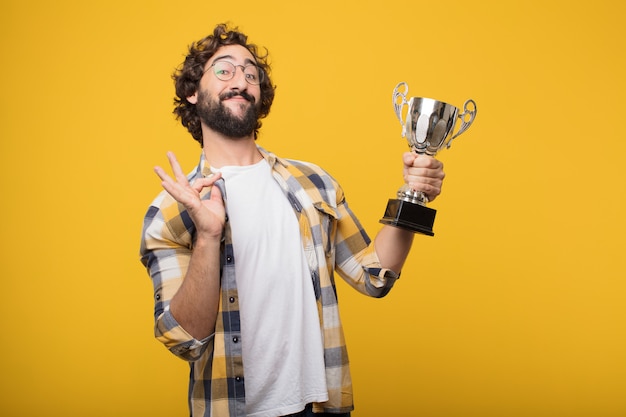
<point>425,161</point>
<point>408,158</point>
<point>425,184</point>
<point>168,183</point>
<point>200,183</point>
<point>425,173</point>
<point>216,194</point>
<point>162,174</point>
<point>422,179</point>
<point>431,190</point>
<point>176,169</point>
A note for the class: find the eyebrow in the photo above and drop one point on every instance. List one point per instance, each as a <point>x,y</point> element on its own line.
<point>246,61</point>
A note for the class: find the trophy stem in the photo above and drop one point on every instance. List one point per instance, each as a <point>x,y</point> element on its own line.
<point>408,194</point>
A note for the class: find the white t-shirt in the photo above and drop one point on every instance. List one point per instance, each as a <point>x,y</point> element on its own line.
<point>283,353</point>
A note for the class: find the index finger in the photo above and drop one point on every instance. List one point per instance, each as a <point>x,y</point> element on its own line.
<point>425,161</point>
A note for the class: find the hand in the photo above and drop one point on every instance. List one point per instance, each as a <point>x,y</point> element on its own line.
<point>207,215</point>
<point>423,173</point>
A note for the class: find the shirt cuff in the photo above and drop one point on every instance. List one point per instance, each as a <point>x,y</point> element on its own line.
<point>169,332</point>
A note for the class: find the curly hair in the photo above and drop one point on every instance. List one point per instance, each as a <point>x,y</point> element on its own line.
<point>187,76</point>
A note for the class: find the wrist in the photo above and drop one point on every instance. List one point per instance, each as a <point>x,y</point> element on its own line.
<point>207,240</point>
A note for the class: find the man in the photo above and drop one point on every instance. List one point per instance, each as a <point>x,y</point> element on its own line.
<point>242,251</point>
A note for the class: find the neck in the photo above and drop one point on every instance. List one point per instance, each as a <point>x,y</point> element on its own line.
<point>222,151</point>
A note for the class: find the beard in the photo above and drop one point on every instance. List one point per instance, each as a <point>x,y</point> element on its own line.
<point>219,118</point>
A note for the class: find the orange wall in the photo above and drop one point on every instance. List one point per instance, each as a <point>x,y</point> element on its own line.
<point>514,308</point>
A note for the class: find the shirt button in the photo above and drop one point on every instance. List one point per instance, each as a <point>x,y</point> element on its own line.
<point>238,378</point>
<point>231,299</point>
<point>235,339</point>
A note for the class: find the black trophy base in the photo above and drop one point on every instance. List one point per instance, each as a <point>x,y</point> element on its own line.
<point>410,216</point>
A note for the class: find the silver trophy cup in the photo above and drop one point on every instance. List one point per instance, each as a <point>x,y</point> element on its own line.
<point>429,126</point>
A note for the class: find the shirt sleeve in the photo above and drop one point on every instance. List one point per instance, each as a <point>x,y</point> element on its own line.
<point>165,252</point>
<point>356,260</point>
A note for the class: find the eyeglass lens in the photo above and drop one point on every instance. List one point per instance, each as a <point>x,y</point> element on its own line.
<point>225,71</point>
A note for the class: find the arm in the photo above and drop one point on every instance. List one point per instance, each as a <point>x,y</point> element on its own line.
<point>195,304</point>
<point>421,173</point>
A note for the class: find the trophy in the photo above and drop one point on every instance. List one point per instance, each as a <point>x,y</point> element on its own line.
<point>428,125</point>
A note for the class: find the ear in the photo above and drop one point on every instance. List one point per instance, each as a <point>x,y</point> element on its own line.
<point>193,99</point>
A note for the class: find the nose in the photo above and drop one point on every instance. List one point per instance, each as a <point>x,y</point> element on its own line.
<point>239,79</point>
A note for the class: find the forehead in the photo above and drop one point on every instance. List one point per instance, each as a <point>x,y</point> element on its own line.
<point>236,54</point>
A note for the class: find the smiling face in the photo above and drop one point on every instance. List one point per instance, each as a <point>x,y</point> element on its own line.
<point>228,106</point>
<point>190,77</point>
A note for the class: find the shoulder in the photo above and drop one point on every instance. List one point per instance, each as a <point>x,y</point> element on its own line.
<point>316,174</point>
<point>308,177</point>
<point>314,178</point>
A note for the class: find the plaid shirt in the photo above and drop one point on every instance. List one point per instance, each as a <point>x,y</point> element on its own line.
<point>333,240</point>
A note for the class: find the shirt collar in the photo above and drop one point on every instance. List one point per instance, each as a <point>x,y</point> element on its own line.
<point>271,158</point>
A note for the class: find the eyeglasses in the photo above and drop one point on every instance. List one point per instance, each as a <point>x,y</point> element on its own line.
<point>225,71</point>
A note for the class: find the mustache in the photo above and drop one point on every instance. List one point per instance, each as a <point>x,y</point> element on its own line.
<point>232,94</point>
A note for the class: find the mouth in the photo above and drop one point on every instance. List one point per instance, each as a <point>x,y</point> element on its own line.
<point>234,95</point>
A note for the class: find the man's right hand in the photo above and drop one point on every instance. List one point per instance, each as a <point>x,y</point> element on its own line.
<point>207,215</point>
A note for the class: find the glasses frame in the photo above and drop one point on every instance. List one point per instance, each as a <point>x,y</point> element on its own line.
<point>243,70</point>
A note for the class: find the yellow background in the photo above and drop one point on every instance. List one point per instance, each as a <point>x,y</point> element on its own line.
<point>515,307</point>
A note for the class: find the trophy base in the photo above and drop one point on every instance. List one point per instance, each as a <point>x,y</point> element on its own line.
<point>410,216</point>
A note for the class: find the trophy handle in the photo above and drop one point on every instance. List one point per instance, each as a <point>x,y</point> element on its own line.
<point>399,101</point>
<point>469,110</point>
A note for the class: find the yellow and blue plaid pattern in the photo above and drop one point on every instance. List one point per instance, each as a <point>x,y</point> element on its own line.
<point>333,240</point>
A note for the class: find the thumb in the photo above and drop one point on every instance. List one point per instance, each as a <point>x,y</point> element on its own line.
<point>408,158</point>
<point>216,193</point>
